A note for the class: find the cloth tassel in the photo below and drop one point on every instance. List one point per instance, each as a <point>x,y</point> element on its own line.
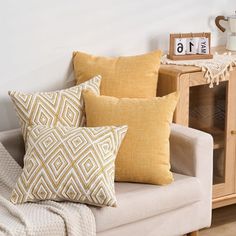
<point>215,70</point>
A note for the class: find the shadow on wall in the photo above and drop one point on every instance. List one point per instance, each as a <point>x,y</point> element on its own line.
<point>218,37</point>
<point>8,117</point>
<point>159,41</point>
<point>69,79</point>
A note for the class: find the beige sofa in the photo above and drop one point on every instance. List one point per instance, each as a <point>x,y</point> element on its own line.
<point>148,210</point>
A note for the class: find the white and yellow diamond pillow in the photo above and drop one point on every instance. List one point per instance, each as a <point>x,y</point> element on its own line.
<point>70,164</point>
<point>63,107</point>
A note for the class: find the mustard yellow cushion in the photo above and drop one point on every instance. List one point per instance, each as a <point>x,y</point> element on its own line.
<point>144,154</point>
<point>133,76</point>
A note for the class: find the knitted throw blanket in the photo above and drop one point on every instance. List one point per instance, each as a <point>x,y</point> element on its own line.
<point>216,69</point>
<point>45,218</point>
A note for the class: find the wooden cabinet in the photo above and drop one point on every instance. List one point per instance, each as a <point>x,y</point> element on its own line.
<point>212,110</point>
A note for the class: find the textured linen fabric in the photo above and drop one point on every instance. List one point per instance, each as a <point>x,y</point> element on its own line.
<point>46,218</point>
<point>144,154</point>
<point>74,164</point>
<point>65,107</point>
<point>215,70</point>
<point>142,201</point>
<point>8,165</point>
<point>191,154</point>
<point>176,222</point>
<point>13,140</point>
<point>133,76</point>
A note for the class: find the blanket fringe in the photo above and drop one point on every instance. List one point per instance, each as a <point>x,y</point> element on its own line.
<point>215,70</point>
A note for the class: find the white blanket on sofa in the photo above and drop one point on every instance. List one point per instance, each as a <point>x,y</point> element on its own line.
<point>46,218</point>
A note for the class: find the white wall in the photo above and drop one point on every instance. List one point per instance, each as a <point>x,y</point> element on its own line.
<point>38,37</point>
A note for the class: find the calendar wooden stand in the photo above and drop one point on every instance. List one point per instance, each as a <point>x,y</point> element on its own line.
<point>173,37</point>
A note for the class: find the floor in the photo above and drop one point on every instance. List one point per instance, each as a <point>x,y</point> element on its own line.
<point>223,222</point>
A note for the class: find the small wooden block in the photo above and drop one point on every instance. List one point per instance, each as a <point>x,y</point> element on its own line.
<point>190,57</point>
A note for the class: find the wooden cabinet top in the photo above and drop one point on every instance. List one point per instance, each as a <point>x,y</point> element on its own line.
<point>178,69</point>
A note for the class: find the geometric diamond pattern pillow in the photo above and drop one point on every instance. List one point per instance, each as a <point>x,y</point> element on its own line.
<point>73,164</point>
<point>62,107</point>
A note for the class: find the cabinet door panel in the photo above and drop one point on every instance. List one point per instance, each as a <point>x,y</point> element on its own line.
<point>212,110</point>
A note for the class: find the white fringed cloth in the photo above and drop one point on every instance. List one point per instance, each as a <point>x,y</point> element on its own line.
<point>216,69</point>
<point>46,218</point>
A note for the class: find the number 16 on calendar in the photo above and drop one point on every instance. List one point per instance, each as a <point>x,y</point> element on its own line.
<point>191,46</point>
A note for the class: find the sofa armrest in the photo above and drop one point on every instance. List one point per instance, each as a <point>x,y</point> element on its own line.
<point>191,152</point>
<point>13,141</point>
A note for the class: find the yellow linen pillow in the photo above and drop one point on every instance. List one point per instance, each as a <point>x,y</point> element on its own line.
<point>144,154</point>
<point>69,164</point>
<point>133,76</point>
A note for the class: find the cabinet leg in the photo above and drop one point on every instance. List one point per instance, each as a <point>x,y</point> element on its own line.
<point>194,233</point>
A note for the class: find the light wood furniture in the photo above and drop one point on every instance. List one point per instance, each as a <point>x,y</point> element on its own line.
<point>195,233</point>
<point>212,110</point>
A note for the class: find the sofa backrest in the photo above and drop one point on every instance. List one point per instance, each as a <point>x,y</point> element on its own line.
<point>12,140</point>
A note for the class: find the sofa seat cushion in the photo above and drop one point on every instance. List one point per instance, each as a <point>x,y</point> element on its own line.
<point>140,201</point>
